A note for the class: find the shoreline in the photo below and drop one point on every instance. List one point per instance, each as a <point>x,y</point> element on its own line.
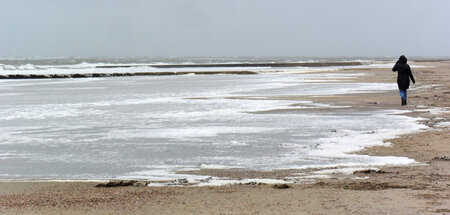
<point>420,189</point>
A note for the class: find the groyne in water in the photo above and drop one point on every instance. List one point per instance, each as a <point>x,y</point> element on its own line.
<point>104,73</point>
<point>100,75</point>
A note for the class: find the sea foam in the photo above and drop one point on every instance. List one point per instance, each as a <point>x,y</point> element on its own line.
<point>150,127</point>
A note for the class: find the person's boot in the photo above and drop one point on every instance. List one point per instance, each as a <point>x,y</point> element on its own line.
<point>403,102</point>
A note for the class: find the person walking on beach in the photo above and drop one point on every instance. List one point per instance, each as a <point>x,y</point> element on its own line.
<point>403,75</point>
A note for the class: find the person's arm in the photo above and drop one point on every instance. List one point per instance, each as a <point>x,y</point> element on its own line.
<point>394,69</point>
<point>411,75</point>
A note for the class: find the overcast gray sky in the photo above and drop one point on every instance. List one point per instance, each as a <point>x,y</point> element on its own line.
<point>322,28</point>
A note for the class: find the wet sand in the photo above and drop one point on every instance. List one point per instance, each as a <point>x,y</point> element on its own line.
<point>418,189</point>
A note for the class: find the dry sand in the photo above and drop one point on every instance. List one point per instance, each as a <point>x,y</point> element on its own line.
<point>419,189</point>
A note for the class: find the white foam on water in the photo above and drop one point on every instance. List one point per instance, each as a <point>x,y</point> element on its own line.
<point>213,166</point>
<point>89,68</point>
<point>182,133</point>
<point>360,178</point>
<point>171,116</point>
<point>360,161</point>
<point>33,112</point>
<point>365,88</point>
<point>57,180</point>
<point>137,101</point>
<point>26,82</point>
<point>328,89</point>
<point>161,175</point>
<point>338,146</point>
<point>346,141</point>
<point>443,124</point>
<point>230,144</point>
<point>192,115</point>
<point>10,94</point>
<point>83,68</point>
<point>436,110</point>
<point>297,70</point>
<point>320,105</point>
<point>421,106</point>
<point>315,176</point>
<point>223,108</point>
<point>385,66</point>
<point>43,111</point>
<point>343,170</point>
<point>223,182</point>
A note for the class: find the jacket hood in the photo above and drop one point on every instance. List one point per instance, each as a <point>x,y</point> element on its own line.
<point>402,59</point>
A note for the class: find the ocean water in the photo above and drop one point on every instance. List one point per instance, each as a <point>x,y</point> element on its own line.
<point>139,65</point>
<point>147,127</point>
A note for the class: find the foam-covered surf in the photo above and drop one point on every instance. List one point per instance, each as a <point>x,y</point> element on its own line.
<point>38,68</point>
<point>150,127</point>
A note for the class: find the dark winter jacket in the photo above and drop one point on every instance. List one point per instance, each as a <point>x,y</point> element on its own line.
<point>404,73</point>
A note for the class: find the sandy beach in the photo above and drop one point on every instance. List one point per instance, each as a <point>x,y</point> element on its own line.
<point>423,188</point>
